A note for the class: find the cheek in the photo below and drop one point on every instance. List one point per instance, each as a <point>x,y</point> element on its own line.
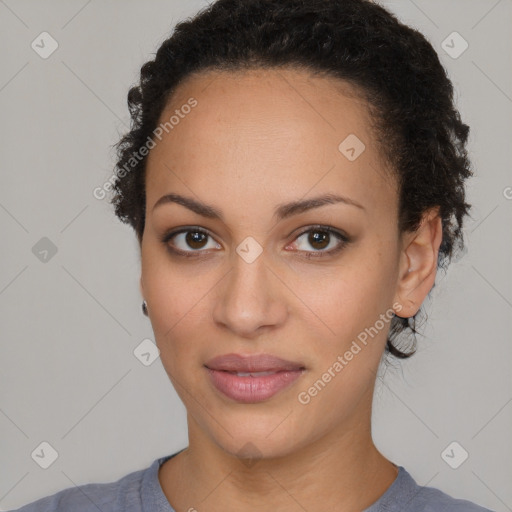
<point>345,299</point>
<point>347,339</point>
<point>176,298</point>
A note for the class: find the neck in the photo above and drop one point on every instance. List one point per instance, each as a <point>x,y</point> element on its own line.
<point>344,468</point>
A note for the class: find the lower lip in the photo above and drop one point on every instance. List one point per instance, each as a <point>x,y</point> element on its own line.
<point>252,389</point>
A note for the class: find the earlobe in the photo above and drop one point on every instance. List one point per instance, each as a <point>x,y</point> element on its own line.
<point>418,263</point>
<point>141,286</point>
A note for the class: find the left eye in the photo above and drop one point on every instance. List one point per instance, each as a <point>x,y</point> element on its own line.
<point>322,239</point>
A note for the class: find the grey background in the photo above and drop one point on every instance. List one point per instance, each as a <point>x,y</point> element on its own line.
<point>68,375</point>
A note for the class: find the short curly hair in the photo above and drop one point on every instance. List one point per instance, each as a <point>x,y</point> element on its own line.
<point>393,66</point>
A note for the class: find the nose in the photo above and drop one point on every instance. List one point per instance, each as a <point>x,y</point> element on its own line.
<point>250,299</point>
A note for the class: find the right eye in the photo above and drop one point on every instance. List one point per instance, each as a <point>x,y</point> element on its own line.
<point>188,238</point>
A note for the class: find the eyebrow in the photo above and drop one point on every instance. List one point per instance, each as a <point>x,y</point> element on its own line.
<point>283,211</point>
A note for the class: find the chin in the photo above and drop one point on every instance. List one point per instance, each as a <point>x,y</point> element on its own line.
<point>258,438</point>
<point>251,450</point>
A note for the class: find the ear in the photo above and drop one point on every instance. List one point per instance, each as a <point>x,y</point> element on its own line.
<point>418,264</point>
<point>141,285</point>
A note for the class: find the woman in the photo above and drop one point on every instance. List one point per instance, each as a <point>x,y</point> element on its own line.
<point>295,176</point>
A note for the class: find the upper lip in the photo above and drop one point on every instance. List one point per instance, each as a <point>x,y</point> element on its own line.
<point>251,363</point>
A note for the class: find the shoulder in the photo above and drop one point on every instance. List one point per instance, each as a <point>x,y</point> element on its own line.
<point>434,500</point>
<point>430,499</point>
<point>405,495</point>
<point>121,495</point>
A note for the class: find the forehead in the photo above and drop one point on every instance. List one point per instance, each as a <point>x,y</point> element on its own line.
<point>263,129</point>
<point>283,102</point>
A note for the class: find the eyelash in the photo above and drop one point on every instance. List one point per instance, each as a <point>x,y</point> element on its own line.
<point>343,238</point>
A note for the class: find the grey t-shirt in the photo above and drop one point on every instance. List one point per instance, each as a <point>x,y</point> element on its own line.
<point>140,491</point>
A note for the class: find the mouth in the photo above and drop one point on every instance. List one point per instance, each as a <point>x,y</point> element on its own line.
<point>252,378</point>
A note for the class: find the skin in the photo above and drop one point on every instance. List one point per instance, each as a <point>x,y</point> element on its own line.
<point>255,140</point>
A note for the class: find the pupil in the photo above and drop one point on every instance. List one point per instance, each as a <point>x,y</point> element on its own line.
<point>316,237</point>
<point>193,238</point>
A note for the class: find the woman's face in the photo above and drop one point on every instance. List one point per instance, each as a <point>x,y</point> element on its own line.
<point>264,279</point>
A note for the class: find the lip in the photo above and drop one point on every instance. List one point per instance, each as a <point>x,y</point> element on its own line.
<point>222,371</point>
<point>252,363</point>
